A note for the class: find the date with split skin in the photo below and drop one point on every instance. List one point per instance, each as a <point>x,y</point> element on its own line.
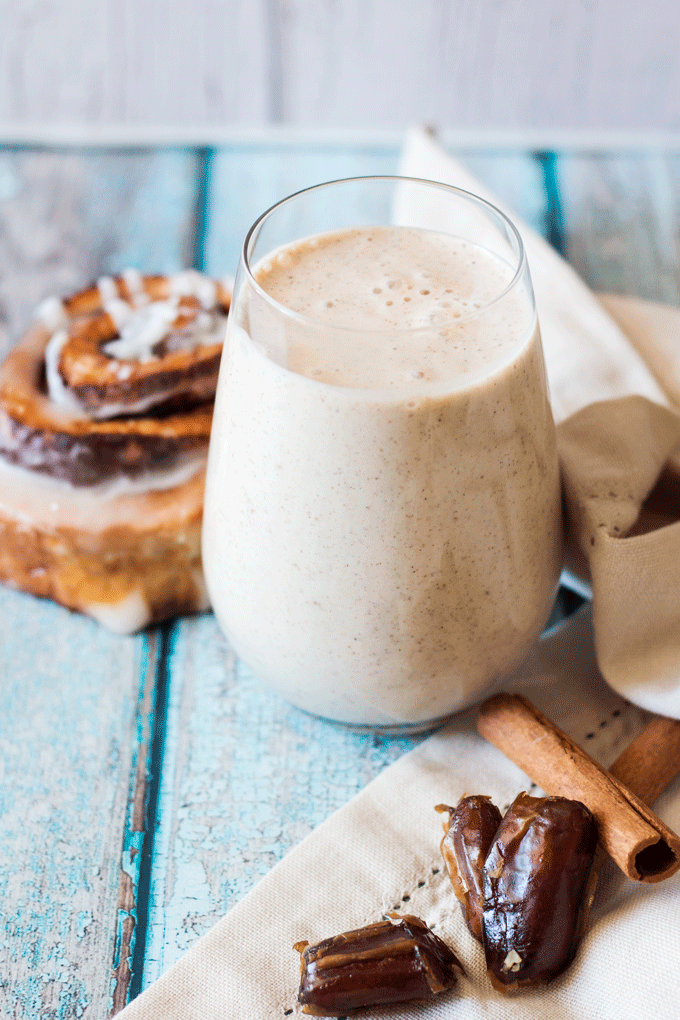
<point>524,881</point>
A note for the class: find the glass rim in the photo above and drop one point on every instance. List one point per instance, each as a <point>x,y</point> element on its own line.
<point>396,179</point>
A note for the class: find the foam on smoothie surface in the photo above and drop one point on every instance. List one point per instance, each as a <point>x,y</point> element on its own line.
<point>432,288</point>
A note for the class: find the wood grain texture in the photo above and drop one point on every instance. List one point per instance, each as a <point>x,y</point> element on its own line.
<point>78,704</point>
<point>68,216</point>
<point>245,777</point>
<point>378,63</point>
<point>70,727</point>
<point>242,776</point>
<point>621,217</point>
<point>245,180</point>
<point>137,830</point>
<point>129,61</point>
<point>466,64</point>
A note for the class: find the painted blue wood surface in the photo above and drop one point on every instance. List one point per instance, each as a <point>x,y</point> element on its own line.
<point>67,216</point>
<point>153,779</point>
<point>621,217</point>
<point>245,777</point>
<point>244,181</point>
<point>77,704</point>
<point>69,735</point>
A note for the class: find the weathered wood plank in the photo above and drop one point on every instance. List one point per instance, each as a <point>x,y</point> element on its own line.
<point>472,65</point>
<point>622,221</point>
<point>67,216</point>
<point>246,180</point>
<point>458,63</point>
<point>75,707</point>
<point>137,838</point>
<point>245,776</point>
<point>86,62</point>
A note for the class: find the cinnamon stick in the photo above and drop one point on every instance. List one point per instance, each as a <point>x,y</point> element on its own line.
<point>634,837</point>
<point>646,766</point>
<point>652,761</point>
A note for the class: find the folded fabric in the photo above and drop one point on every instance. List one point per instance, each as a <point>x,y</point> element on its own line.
<point>622,512</point>
<point>381,851</point>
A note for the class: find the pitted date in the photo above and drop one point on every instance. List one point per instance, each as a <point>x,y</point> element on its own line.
<point>467,840</point>
<point>536,889</point>
<point>391,961</point>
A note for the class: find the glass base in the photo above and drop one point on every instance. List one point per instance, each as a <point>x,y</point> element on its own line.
<point>396,729</point>
<point>570,597</point>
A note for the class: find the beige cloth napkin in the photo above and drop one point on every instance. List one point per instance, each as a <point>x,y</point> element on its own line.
<point>380,851</point>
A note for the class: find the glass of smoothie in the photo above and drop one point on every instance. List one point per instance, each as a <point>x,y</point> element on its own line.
<point>381,539</point>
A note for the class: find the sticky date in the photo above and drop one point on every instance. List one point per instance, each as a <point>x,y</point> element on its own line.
<point>391,961</point>
<point>467,840</point>
<point>536,889</point>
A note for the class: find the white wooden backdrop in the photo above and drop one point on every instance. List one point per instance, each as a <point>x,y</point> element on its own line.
<point>489,64</point>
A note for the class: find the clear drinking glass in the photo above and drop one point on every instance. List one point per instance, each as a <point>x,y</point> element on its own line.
<point>381,538</point>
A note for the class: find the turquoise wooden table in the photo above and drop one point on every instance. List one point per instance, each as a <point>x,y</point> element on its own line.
<point>148,782</point>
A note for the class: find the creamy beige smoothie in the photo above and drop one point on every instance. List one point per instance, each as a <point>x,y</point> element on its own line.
<point>382,531</point>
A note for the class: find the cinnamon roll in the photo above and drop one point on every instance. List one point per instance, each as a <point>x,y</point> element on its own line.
<point>105,413</point>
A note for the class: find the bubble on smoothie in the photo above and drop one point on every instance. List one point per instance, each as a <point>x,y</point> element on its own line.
<point>406,279</point>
